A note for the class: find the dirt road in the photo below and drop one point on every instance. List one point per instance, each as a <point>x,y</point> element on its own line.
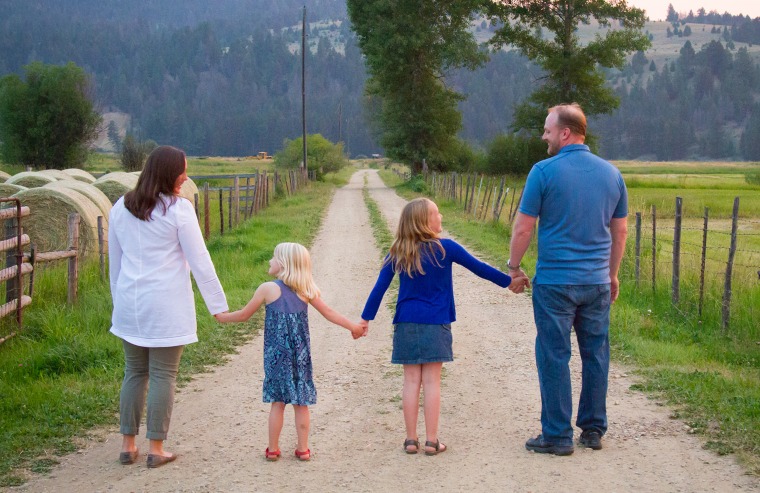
<point>490,406</point>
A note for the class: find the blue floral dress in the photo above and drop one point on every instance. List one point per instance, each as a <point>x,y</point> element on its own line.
<point>287,351</point>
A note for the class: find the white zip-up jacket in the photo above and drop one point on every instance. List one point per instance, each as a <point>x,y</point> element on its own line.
<point>150,264</point>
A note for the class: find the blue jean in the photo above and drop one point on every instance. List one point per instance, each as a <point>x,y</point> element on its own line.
<point>557,308</point>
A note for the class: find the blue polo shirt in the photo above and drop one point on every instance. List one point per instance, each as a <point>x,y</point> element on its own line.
<point>574,194</point>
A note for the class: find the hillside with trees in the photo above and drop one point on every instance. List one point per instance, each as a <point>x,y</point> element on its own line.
<point>224,78</point>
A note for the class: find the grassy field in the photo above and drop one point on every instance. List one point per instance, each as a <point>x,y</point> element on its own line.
<point>61,375</point>
<point>711,379</point>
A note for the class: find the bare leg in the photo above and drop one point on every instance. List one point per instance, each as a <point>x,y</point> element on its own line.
<point>431,382</point>
<point>410,399</point>
<point>275,425</point>
<point>303,422</point>
<point>128,443</point>
<point>157,448</point>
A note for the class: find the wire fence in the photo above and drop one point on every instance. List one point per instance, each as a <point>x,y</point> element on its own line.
<point>707,267</point>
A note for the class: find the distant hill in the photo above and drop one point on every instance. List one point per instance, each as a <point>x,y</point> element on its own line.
<point>223,77</point>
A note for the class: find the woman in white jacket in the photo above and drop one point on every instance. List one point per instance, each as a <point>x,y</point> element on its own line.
<point>154,241</point>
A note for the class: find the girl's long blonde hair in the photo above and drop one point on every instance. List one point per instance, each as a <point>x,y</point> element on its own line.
<point>414,239</point>
<point>295,261</point>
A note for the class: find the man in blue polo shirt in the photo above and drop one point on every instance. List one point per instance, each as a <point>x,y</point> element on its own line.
<point>582,204</point>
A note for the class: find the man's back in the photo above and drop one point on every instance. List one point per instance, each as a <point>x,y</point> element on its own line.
<point>574,194</point>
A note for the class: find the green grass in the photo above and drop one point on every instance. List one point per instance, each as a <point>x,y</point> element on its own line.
<point>383,236</point>
<point>60,377</point>
<point>711,379</point>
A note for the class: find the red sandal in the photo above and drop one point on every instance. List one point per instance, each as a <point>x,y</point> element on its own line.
<point>275,455</point>
<point>300,454</point>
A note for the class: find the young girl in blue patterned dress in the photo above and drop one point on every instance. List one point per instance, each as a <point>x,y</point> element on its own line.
<point>287,352</point>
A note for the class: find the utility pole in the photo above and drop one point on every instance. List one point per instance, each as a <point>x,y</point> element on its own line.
<point>303,87</point>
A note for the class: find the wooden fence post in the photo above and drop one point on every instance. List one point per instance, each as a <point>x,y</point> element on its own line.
<point>206,222</point>
<point>11,285</point>
<point>730,267</point>
<point>638,248</point>
<point>247,196</point>
<point>676,283</point>
<point>654,246</point>
<point>73,260</point>
<point>230,205</point>
<point>101,249</point>
<point>467,193</point>
<point>221,211</point>
<point>702,268</point>
<point>236,187</point>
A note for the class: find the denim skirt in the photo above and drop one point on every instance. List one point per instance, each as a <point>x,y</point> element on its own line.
<point>414,344</point>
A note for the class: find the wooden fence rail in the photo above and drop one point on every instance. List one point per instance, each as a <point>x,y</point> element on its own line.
<point>15,268</point>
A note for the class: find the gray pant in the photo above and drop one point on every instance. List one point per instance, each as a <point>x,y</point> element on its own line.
<point>155,366</point>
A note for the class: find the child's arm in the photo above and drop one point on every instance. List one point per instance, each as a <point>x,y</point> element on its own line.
<point>336,318</point>
<point>267,291</point>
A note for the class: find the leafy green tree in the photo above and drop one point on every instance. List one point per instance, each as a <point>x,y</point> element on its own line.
<point>134,153</point>
<point>573,71</point>
<point>408,47</point>
<point>321,154</point>
<point>113,135</point>
<point>514,154</point>
<point>750,143</point>
<point>48,120</point>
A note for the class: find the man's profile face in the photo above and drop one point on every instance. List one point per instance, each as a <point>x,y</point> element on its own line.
<point>552,133</point>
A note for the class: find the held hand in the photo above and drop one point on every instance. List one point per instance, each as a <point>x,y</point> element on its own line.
<point>520,281</point>
<point>357,331</point>
<point>221,317</point>
<point>365,327</point>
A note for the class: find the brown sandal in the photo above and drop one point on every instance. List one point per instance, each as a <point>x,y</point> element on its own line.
<point>437,446</point>
<point>411,442</point>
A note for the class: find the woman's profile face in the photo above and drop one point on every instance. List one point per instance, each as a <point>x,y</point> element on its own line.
<point>180,180</point>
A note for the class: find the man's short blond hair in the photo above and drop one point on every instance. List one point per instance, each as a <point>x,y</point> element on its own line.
<point>570,116</point>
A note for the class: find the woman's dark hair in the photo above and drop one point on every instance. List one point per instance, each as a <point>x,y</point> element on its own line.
<point>162,168</point>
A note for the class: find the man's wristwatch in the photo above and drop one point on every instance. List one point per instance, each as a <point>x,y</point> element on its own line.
<point>512,267</point>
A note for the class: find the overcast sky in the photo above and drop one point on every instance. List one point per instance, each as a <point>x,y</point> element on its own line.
<point>658,9</point>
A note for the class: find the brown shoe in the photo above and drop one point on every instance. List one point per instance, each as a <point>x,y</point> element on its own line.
<point>128,458</point>
<point>159,460</point>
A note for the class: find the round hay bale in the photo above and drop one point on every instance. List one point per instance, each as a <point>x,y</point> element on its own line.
<point>79,174</point>
<point>136,173</point>
<point>188,190</point>
<point>116,184</point>
<point>30,179</point>
<point>55,173</point>
<point>47,224</point>
<point>4,176</point>
<point>97,197</point>
<point>8,189</point>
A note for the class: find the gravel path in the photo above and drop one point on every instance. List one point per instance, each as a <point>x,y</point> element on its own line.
<point>490,406</point>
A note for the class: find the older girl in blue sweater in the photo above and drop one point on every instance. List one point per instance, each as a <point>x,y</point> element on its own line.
<point>424,311</point>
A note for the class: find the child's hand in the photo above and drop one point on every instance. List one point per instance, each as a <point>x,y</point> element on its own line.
<point>222,317</point>
<point>519,284</point>
<point>357,331</point>
<point>365,327</point>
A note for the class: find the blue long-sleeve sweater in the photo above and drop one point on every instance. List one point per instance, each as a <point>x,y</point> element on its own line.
<point>429,298</point>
